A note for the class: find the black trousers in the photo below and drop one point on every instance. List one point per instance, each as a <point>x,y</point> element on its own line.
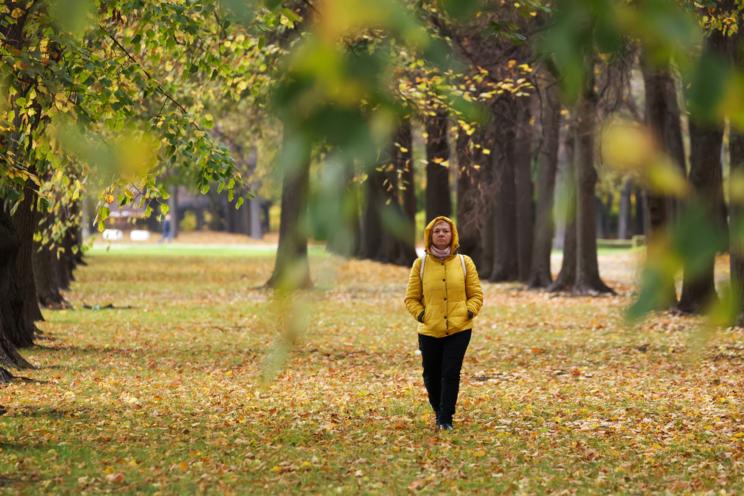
<point>442,361</point>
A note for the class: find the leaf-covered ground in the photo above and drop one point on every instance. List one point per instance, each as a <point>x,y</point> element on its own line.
<point>558,395</point>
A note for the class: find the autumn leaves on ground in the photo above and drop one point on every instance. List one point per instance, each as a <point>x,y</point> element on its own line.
<point>164,393</point>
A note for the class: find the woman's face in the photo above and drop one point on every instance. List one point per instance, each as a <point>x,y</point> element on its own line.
<point>441,235</point>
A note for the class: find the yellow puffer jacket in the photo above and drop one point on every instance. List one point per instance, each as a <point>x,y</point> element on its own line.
<point>444,296</point>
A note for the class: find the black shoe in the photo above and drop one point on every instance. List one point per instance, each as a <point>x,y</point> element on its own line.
<point>446,426</point>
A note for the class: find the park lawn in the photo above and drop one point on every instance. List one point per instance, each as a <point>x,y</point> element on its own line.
<point>165,393</point>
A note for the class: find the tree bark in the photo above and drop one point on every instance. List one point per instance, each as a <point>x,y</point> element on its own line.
<point>736,207</point>
<point>468,179</point>
<point>372,229</point>
<point>639,217</point>
<point>505,263</point>
<point>706,175</point>
<point>663,117</point>
<point>291,268</point>
<point>623,224</point>
<point>174,210</point>
<point>46,275</point>
<point>347,241</point>
<point>25,222</point>
<point>540,275</point>
<point>736,234</point>
<point>438,200</point>
<point>405,139</point>
<point>698,287</point>
<point>567,275</point>
<point>401,241</point>
<point>588,280</point>
<point>524,189</point>
<point>11,305</point>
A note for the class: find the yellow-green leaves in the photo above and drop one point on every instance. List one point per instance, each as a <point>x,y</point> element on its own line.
<point>632,148</point>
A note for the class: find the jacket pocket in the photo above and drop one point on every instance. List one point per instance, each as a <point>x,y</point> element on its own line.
<point>458,315</point>
<point>427,314</point>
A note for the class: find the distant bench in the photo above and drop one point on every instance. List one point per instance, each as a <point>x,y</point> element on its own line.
<point>634,242</point>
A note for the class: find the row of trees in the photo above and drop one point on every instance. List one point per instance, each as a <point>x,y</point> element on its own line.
<point>107,99</point>
<point>548,79</point>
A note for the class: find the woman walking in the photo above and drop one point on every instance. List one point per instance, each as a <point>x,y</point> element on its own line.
<point>444,295</point>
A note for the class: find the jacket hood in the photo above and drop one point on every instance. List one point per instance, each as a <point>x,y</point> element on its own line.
<point>430,226</point>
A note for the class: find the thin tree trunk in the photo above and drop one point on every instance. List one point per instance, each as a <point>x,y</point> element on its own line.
<point>175,212</point>
<point>346,240</point>
<point>540,274</point>
<point>624,211</point>
<point>736,207</point>
<point>640,220</point>
<point>403,196</point>
<point>588,280</point>
<point>524,189</point>
<point>468,221</point>
<point>567,275</point>
<point>698,286</point>
<point>405,139</point>
<point>736,233</point>
<point>706,140</point>
<point>291,268</point>
<point>372,229</point>
<point>438,201</point>
<point>662,117</point>
<point>505,264</point>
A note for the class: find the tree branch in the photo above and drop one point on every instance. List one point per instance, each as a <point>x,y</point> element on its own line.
<point>158,87</point>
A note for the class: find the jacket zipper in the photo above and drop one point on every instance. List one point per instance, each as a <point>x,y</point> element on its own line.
<point>446,301</point>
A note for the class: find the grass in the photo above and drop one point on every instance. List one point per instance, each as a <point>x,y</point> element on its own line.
<point>558,395</point>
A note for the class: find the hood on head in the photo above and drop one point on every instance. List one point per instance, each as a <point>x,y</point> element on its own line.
<point>430,226</point>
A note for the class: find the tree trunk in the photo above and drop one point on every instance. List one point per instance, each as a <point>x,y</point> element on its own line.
<point>405,139</point>
<point>588,280</point>
<point>524,189</point>
<point>25,222</point>
<point>706,140</point>
<point>372,229</point>
<point>698,286</point>
<point>174,210</point>
<point>403,240</point>
<point>254,209</point>
<point>46,275</point>
<point>11,305</point>
<point>567,275</point>
<point>291,268</point>
<point>663,117</point>
<point>540,275</point>
<point>468,177</point>
<point>505,264</point>
<point>640,218</point>
<point>438,200</point>
<point>623,224</point>
<point>736,236</point>
<point>345,241</point>
<point>736,206</point>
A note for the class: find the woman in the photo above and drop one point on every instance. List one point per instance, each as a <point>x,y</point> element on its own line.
<point>444,297</point>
